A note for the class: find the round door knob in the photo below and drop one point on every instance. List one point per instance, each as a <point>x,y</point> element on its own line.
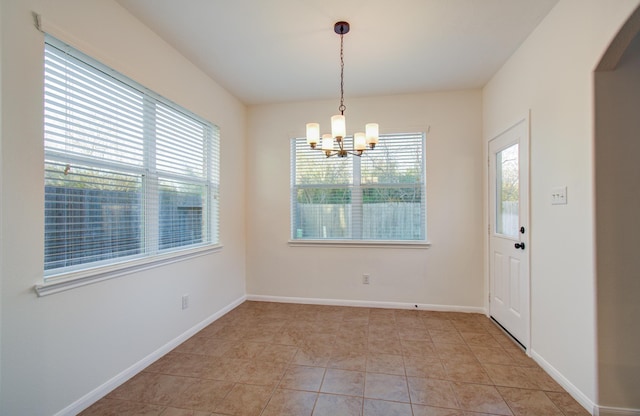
<point>519,245</point>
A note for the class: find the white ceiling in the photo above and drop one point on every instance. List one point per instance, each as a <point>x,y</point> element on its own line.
<point>266,51</point>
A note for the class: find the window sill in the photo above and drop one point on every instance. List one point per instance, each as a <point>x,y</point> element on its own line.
<point>360,243</point>
<point>71,280</point>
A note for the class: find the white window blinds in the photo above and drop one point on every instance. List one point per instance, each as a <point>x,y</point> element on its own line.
<point>128,174</point>
<point>380,196</point>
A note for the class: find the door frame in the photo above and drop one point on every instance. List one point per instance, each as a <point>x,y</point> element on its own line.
<point>489,221</point>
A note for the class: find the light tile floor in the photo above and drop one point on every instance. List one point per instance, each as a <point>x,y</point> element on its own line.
<point>268,359</point>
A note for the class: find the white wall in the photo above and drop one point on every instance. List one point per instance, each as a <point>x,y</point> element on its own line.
<point>448,273</point>
<point>552,75</point>
<point>58,348</point>
<point>618,230</point>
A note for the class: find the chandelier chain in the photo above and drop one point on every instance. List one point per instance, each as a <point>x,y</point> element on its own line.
<point>342,106</point>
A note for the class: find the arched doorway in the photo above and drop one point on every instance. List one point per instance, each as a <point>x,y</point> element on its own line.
<point>617,171</point>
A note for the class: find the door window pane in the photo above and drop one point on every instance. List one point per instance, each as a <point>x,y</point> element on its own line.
<point>507,192</point>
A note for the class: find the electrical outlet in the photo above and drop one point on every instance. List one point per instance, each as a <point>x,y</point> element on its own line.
<point>185,301</point>
<point>365,279</point>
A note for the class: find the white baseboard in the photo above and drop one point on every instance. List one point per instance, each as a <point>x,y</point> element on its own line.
<point>615,411</point>
<point>576,393</point>
<point>106,388</point>
<point>368,304</point>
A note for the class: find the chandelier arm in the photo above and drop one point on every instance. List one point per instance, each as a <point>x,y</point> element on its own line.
<point>343,152</point>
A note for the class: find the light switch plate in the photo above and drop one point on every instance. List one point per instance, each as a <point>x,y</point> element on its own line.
<point>559,195</point>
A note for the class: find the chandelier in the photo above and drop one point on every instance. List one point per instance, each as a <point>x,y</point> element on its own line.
<point>338,122</point>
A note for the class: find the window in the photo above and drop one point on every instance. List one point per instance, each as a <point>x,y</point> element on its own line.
<point>128,174</point>
<point>377,197</point>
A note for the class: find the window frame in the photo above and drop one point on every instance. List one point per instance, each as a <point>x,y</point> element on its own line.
<point>64,278</point>
<point>355,183</point>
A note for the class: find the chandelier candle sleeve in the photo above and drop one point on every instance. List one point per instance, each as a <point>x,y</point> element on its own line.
<point>359,141</point>
<point>327,142</point>
<point>371,131</point>
<point>338,126</point>
<point>313,134</point>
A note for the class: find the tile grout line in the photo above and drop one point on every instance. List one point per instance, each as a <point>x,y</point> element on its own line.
<point>242,320</point>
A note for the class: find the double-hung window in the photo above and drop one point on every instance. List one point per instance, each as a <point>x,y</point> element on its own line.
<point>379,197</point>
<point>129,175</point>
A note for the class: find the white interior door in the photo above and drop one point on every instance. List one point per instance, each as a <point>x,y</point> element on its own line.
<point>509,230</point>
